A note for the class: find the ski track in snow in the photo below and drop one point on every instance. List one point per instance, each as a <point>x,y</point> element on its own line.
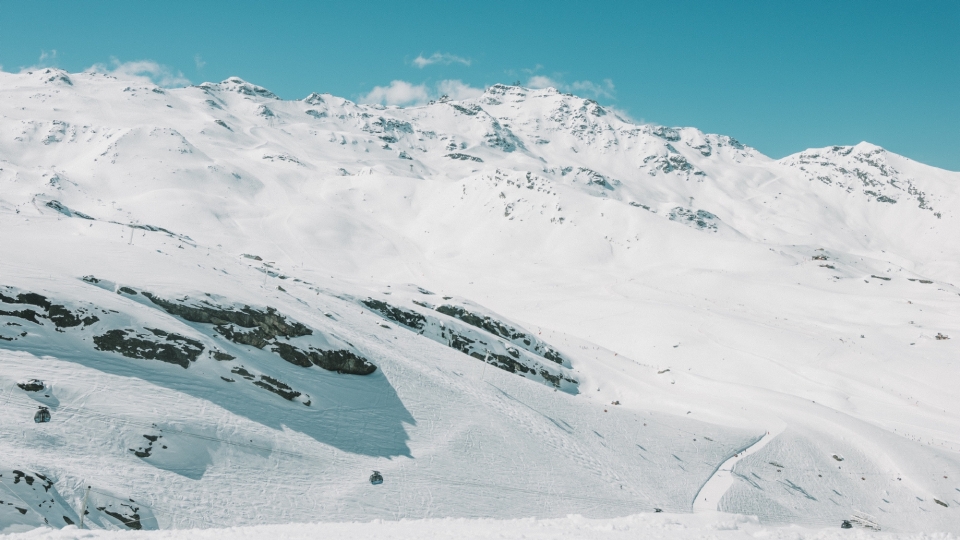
<point>709,496</point>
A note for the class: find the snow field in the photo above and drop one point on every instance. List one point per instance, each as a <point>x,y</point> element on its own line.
<point>790,297</point>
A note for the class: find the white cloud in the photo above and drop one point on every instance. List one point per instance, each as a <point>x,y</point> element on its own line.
<point>439,58</point>
<point>47,58</point>
<point>398,93</point>
<point>457,90</point>
<point>143,69</point>
<point>605,89</point>
<point>199,62</point>
<point>403,93</point>
<point>542,81</point>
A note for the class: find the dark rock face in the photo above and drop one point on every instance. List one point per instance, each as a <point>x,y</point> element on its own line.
<point>256,328</point>
<point>500,329</point>
<point>255,338</point>
<point>407,318</point>
<point>464,157</point>
<point>472,111</point>
<point>341,361</point>
<point>701,219</point>
<point>486,323</point>
<point>507,364</point>
<point>241,371</point>
<point>33,385</point>
<point>222,356</point>
<point>511,349</point>
<point>277,387</point>
<point>58,314</point>
<point>25,314</point>
<point>594,178</point>
<point>130,517</point>
<point>60,207</point>
<point>266,324</point>
<point>666,133</point>
<point>163,346</point>
<point>144,452</point>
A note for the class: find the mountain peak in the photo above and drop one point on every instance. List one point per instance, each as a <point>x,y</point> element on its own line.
<point>236,84</point>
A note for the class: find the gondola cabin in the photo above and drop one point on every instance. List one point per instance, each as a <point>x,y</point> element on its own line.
<point>42,415</point>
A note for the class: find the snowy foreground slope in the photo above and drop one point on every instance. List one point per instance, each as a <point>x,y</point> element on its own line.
<point>709,525</point>
<point>235,308</point>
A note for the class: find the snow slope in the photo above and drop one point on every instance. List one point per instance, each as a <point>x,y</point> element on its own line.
<point>711,525</point>
<point>240,306</point>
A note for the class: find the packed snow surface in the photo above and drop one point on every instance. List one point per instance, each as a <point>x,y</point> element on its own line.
<point>234,308</point>
<point>712,525</point>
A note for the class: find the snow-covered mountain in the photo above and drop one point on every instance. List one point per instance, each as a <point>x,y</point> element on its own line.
<point>235,307</point>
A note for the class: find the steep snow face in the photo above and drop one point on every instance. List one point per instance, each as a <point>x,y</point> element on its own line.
<point>518,305</point>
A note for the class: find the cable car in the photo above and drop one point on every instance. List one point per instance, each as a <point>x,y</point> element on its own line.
<point>376,478</point>
<point>42,415</point>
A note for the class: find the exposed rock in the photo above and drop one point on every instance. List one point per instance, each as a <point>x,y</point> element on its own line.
<point>464,157</point>
<point>484,322</point>
<point>411,319</point>
<point>59,207</point>
<point>243,373</point>
<point>277,387</point>
<point>592,177</point>
<point>266,325</point>
<point>172,348</point>
<point>701,219</point>
<point>341,361</point>
<point>32,385</point>
<point>500,329</point>
<point>130,517</point>
<point>59,315</point>
<point>666,133</point>
<point>25,314</point>
<point>221,356</point>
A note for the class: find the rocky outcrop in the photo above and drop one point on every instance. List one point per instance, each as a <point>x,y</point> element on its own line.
<point>164,346</point>
<point>58,314</point>
<point>408,318</point>
<point>266,329</point>
<point>480,336</point>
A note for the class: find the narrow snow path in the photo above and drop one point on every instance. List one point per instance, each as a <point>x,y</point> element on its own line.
<point>708,499</point>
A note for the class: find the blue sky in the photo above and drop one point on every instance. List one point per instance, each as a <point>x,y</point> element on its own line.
<point>779,76</point>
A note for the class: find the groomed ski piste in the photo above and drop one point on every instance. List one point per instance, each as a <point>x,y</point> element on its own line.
<point>531,315</point>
